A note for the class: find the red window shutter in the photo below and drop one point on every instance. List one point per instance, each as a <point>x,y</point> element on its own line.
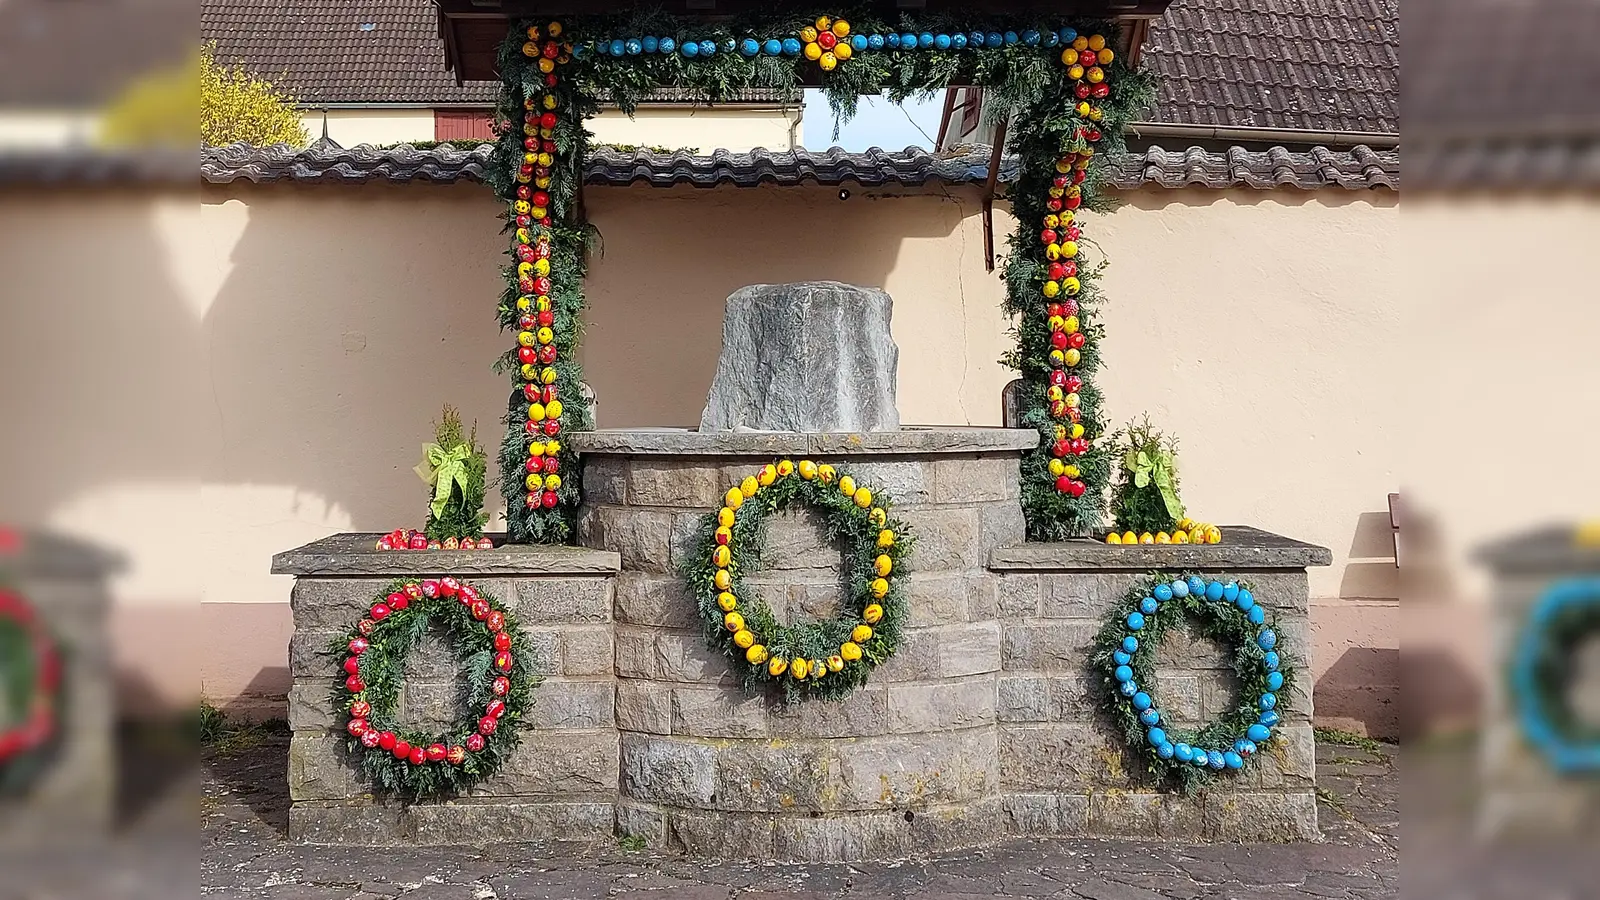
<point>463,125</point>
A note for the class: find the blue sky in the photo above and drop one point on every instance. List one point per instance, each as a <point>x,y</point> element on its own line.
<point>878,123</point>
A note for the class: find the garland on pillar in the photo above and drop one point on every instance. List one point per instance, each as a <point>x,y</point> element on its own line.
<point>1066,91</point>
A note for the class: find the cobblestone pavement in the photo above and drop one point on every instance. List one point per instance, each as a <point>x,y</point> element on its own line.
<point>244,855</point>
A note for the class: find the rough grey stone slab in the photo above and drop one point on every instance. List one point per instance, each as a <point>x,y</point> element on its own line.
<point>809,356</point>
<point>354,553</point>
<point>1546,551</point>
<point>1242,547</point>
<point>1256,817</point>
<point>911,440</point>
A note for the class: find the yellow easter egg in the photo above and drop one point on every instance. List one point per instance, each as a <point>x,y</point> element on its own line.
<point>1113,538</point>
<point>878,516</point>
<point>799,668</point>
<point>850,651</point>
<point>808,35</point>
<point>552,482</point>
<point>756,654</point>
<point>546,335</point>
<point>1072,356</point>
<point>767,475</point>
<point>785,468</point>
<point>1096,42</point>
<point>843,51</point>
<point>872,613</point>
<point>722,580</point>
<point>1129,537</point>
<point>847,485</point>
<point>882,565</point>
<point>885,539</point>
<point>827,61</point>
<point>861,634</point>
<point>813,52</point>
<point>727,601</point>
<point>835,663</point>
<point>777,666</point>
<point>1180,537</point>
<point>807,469</point>
<point>720,557</point>
<point>1080,43</point>
<point>1072,285</point>
<point>744,639</point>
<point>1076,430</point>
<point>1075,71</point>
<point>1163,538</point>
<point>536,412</point>
<point>879,588</point>
<point>863,497</point>
<point>1071,471</point>
<point>1069,249</point>
<point>825,472</point>
<point>534,482</point>
<point>548,375</point>
<point>553,409</point>
<point>733,621</point>
<point>1057,468</point>
<point>725,517</point>
<point>1213,534</point>
<point>748,486</point>
<point>1105,56</point>
<point>841,28</point>
<point>1051,288</point>
<point>733,499</point>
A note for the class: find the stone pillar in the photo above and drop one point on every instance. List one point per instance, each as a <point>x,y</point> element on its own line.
<point>561,782</point>
<point>1063,769</point>
<point>1523,795</point>
<point>69,786</point>
<point>909,763</point>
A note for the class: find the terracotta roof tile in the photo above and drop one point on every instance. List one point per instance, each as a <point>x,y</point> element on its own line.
<point>1357,169</point>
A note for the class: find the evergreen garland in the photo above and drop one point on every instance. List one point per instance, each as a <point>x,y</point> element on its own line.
<point>381,666</point>
<point>860,520</point>
<point>1216,611</point>
<point>30,680</point>
<point>1028,83</point>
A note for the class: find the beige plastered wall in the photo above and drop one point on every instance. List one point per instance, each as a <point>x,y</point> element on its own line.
<point>371,125</point>
<point>300,339</point>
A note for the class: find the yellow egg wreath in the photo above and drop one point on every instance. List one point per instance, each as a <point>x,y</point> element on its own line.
<point>811,659</point>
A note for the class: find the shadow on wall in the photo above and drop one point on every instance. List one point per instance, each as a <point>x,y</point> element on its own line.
<point>1371,572</point>
<point>671,257</point>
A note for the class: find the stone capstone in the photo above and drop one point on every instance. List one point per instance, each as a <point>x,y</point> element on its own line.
<point>811,356</point>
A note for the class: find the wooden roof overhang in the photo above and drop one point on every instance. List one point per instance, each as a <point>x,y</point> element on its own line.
<point>473,29</point>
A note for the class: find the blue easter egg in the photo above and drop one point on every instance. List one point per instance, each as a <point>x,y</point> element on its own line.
<point>958,41</point>
<point>1272,661</point>
<point>650,44</point>
<point>1246,599</point>
<point>1274,680</point>
<point>772,47</point>
<point>1129,688</point>
<point>634,48</point>
<point>1245,748</point>
<point>1183,752</point>
<point>1200,758</point>
<point>618,47</point>
<point>1051,39</point>
<point>925,40</point>
<point>993,39</point>
<point>749,47</point>
<point>1148,606</point>
<point>1122,673</point>
<point>708,48</point>
<point>1269,701</point>
<point>667,45</point>
<point>1130,644</point>
<point>858,42</point>
<point>728,46</point>
<point>1157,737</point>
<point>1180,588</point>
<point>975,40</point>
<point>1068,35</point>
<point>1239,745</point>
<point>941,42</point>
<point>1258,732</point>
<point>1197,585</point>
<point>1215,759</point>
<point>1214,591</point>
<point>1165,750</point>
<point>1135,621</point>
<point>893,40</point>
<point>1267,639</point>
<point>1150,718</point>
<point>580,51</point>
<point>1162,592</point>
<point>908,41</point>
<point>791,46</point>
<point>1232,760</point>
<point>1030,37</point>
<point>690,48</point>
<point>1230,592</point>
<point>1141,701</point>
<point>1256,615</point>
<point>1121,658</point>
<point>876,41</point>
<point>1270,718</point>
<point>1010,38</point>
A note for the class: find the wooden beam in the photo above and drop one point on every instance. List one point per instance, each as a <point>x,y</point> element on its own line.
<point>989,182</point>
<point>944,118</point>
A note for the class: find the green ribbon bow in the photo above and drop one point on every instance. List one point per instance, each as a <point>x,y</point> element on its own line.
<point>444,469</point>
<point>1160,467</point>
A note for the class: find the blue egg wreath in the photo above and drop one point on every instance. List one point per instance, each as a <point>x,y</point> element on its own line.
<point>1566,615</point>
<point>1125,651</point>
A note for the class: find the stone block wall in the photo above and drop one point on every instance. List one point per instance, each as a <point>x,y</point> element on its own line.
<point>1063,769</point>
<point>70,785</point>
<point>1523,795</point>
<point>982,726</point>
<point>560,783</point>
<point>905,765</point>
